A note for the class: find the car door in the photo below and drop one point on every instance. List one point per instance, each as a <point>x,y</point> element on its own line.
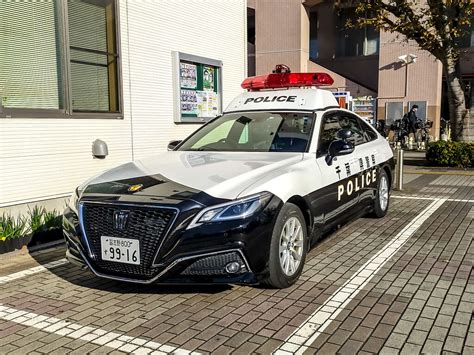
<point>369,158</point>
<point>339,193</point>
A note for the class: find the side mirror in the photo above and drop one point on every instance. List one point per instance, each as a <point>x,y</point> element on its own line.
<point>344,134</point>
<point>173,144</point>
<point>339,147</point>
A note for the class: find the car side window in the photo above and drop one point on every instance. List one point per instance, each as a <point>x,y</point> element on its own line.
<point>332,124</point>
<point>328,133</point>
<point>348,121</point>
<point>368,132</point>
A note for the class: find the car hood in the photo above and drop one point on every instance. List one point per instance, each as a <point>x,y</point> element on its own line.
<point>181,175</point>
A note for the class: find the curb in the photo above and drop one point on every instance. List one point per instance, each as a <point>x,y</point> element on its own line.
<point>38,249</point>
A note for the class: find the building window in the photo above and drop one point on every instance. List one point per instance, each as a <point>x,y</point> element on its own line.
<point>30,55</point>
<point>313,34</point>
<point>467,39</point>
<point>251,59</point>
<point>59,55</point>
<point>353,42</point>
<point>93,55</point>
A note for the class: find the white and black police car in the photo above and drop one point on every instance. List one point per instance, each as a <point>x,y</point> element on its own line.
<point>242,199</point>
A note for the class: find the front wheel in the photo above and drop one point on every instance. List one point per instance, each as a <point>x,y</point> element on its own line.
<point>382,196</point>
<point>288,248</point>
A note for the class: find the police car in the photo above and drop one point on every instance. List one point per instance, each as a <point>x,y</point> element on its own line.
<point>242,199</point>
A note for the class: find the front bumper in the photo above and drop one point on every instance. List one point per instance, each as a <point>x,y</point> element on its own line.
<point>198,255</point>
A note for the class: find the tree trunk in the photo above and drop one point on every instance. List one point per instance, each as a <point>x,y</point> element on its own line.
<point>458,114</point>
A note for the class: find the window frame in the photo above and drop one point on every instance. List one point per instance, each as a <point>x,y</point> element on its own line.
<point>341,52</point>
<point>66,89</point>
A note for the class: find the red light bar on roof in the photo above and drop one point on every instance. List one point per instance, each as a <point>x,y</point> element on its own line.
<point>286,80</point>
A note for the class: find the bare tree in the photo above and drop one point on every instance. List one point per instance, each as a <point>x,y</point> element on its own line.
<point>437,26</point>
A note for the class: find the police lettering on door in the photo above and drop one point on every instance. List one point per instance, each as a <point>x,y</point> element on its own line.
<point>356,183</point>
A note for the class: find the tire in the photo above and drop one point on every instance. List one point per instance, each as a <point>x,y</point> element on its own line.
<point>283,274</point>
<point>382,196</point>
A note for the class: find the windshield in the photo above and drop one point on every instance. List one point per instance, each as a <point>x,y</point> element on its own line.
<point>254,132</point>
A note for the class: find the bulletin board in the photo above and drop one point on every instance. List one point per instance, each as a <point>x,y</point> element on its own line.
<point>197,88</point>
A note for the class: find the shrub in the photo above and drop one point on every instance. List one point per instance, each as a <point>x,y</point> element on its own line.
<point>52,220</point>
<point>38,220</point>
<point>455,154</point>
<point>11,227</point>
<point>36,215</point>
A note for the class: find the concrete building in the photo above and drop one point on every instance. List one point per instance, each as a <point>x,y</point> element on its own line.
<point>126,72</point>
<point>310,35</point>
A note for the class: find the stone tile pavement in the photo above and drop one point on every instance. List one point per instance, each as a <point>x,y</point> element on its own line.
<point>421,300</point>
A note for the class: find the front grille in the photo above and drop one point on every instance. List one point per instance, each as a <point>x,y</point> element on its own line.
<point>214,265</point>
<point>148,225</point>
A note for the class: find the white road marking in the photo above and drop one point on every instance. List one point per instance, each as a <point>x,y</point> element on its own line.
<point>412,197</point>
<point>31,271</point>
<point>309,331</point>
<point>431,198</point>
<point>93,335</point>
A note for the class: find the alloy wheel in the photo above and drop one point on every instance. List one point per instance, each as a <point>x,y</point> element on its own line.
<point>383,193</point>
<point>291,246</point>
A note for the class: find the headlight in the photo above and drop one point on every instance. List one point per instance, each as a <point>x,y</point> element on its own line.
<point>74,200</point>
<point>237,209</point>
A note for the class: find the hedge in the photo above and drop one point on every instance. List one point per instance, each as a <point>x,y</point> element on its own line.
<point>454,154</point>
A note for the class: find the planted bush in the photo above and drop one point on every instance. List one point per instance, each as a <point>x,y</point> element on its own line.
<point>454,154</point>
<point>36,215</point>
<point>12,228</point>
<point>52,220</point>
<point>38,221</point>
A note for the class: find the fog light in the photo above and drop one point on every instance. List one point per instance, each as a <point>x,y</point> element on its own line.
<point>232,267</point>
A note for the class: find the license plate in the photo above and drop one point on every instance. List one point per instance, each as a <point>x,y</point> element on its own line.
<point>120,250</point>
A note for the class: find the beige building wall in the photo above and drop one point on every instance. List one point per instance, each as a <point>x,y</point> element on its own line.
<point>398,82</point>
<point>282,37</point>
<point>278,32</point>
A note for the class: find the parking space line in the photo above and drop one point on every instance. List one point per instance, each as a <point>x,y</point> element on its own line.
<point>431,198</point>
<point>32,271</point>
<point>89,334</point>
<point>309,331</point>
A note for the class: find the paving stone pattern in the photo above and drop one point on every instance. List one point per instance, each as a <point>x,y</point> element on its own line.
<point>421,301</point>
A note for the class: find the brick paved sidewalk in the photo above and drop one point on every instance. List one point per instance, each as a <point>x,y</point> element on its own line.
<point>420,300</point>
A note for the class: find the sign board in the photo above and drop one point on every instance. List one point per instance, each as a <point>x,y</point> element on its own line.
<point>197,88</point>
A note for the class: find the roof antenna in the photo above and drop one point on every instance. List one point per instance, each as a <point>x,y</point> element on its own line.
<point>281,68</point>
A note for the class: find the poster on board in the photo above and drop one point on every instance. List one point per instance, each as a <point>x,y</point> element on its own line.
<point>207,104</point>
<point>188,75</point>
<point>208,78</point>
<point>189,101</point>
